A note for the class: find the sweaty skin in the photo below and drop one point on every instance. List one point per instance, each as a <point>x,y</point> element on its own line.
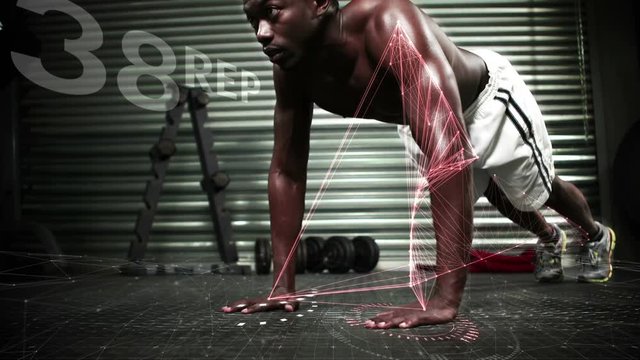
<point>328,59</point>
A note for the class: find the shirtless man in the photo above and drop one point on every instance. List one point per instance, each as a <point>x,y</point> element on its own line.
<point>328,56</point>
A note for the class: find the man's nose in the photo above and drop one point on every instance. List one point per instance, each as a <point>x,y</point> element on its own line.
<point>265,33</point>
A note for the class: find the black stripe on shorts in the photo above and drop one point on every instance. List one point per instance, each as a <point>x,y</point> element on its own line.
<point>528,122</point>
<point>537,154</point>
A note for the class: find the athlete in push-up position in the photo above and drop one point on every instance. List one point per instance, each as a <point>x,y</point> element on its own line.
<point>328,56</point>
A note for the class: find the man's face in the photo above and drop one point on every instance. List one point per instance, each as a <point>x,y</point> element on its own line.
<point>283,27</point>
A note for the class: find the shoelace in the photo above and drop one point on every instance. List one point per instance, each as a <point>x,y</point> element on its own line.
<point>594,259</point>
<point>548,258</point>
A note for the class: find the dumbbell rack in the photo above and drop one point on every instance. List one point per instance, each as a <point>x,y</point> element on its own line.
<point>214,183</point>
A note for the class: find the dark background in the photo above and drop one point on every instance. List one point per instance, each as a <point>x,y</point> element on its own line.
<point>615,30</point>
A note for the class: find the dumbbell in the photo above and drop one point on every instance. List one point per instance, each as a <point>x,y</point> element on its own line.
<point>264,256</point>
<point>341,254</point>
<point>338,254</point>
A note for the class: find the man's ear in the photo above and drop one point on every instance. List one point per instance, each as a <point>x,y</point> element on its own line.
<point>322,6</point>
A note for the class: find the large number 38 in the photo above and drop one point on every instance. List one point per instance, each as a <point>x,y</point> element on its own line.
<point>94,74</point>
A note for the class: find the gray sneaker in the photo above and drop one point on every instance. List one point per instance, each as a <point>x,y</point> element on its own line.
<point>549,258</point>
<point>596,258</point>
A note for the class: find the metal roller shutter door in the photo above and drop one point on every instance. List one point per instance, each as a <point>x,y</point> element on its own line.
<point>85,160</point>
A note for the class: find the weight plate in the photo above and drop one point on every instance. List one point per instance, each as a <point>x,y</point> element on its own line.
<point>338,254</point>
<point>301,257</point>
<point>263,256</point>
<point>315,262</point>
<point>367,254</point>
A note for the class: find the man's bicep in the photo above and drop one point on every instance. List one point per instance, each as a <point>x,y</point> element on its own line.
<point>430,97</point>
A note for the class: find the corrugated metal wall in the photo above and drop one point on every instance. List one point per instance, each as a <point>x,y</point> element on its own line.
<point>85,161</point>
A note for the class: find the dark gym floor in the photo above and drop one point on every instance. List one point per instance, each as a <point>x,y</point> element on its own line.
<point>103,315</point>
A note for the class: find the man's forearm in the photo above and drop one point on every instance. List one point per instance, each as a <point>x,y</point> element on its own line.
<point>286,208</point>
<point>451,204</point>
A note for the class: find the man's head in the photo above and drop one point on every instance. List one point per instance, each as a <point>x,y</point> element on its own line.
<point>286,28</point>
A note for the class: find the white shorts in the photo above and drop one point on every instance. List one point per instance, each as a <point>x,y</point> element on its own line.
<point>508,135</point>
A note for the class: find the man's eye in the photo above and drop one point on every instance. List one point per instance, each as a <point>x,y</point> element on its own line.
<point>272,12</point>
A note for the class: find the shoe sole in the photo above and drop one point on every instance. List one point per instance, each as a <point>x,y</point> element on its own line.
<point>610,273</point>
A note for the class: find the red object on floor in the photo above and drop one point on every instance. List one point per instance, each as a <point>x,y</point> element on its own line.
<point>485,261</point>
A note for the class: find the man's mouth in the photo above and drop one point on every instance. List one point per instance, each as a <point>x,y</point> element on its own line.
<point>275,54</point>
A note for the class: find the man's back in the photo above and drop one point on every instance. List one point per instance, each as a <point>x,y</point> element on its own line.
<point>343,67</point>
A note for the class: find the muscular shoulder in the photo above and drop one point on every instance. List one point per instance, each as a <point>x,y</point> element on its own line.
<point>374,14</point>
<point>376,20</point>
